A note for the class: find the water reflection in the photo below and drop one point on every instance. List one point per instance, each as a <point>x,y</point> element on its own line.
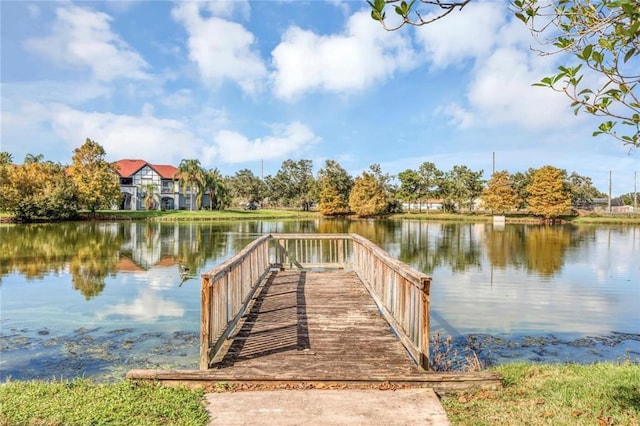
<point>99,297</point>
<point>147,306</point>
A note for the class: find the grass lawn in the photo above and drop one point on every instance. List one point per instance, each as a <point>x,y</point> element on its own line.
<point>597,394</point>
<point>81,402</point>
<point>276,214</point>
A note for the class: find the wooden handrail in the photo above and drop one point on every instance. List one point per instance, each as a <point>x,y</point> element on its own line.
<point>226,290</point>
<point>401,292</point>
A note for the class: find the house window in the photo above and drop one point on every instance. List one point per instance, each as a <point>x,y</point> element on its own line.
<point>167,186</point>
<point>126,181</point>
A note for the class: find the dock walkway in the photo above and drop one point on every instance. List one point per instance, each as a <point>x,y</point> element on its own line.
<point>306,315</point>
<point>314,326</point>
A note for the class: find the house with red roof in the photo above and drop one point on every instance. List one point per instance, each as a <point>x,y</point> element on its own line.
<point>138,176</point>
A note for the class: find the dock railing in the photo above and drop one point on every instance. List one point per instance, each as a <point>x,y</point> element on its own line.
<point>401,292</point>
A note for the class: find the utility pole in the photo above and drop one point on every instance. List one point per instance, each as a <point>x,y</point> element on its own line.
<point>494,163</point>
<point>635,192</point>
<point>609,191</point>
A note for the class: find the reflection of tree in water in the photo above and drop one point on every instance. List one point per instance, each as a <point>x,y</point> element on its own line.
<point>380,232</point>
<point>504,246</point>
<point>418,245</point>
<point>537,248</point>
<point>545,247</point>
<point>425,245</point>
<point>88,249</point>
<point>333,226</point>
<point>460,245</point>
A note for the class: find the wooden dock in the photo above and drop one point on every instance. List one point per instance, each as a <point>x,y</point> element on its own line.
<point>316,325</point>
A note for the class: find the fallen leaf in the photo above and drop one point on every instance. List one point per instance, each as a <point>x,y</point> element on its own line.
<point>577,413</point>
<point>463,400</point>
<point>540,401</point>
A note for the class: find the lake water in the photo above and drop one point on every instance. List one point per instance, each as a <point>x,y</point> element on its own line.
<point>97,299</point>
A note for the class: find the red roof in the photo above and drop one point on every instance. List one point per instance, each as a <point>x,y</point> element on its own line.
<point>128,167</point>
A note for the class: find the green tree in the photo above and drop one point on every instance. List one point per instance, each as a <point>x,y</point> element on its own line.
<point>247,187</point>
<point>462,186</point>
<point>582,190</point>
<point>368,196</point>
<point>95,179</point>
<point>630,199</point>
<point>293,184</point>
<point>410,189</point>
<point>430,177</point>
<point>521,181</point>
<point>385,180</point>
<point>548,194</point>
<point>334,188</point>
<point>191,179</point>
<point>6,160</point>
<point>499,194</point>
<point>40,190</point>
<point>604,38</point>
<point>215,185</point>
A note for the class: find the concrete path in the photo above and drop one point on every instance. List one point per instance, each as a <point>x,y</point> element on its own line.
<point>326,407</point>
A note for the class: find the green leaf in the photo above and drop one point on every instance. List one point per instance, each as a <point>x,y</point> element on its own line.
<point>630,54</point>
<point>597,57</point>
<point>586,52</point>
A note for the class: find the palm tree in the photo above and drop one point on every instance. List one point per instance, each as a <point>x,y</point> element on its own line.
<point>6,157</point>
<point>218,193</point>
<point>190,175</point>
<point>31,159</point>
<point>150,196</point>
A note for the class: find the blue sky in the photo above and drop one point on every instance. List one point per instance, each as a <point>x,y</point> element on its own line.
<point>238,84</point>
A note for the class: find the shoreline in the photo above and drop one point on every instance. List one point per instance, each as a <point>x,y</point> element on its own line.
<point>278,214</point>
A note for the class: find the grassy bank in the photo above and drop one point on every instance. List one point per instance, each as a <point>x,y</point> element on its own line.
<point>203,215</point>
<point>277,214</point>
<point>604,219</point>
<point>81,402</point>
<point>597,394</point>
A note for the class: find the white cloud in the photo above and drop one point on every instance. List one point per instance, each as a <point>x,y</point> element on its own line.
<point>502,69</point>
<point>227,9</point>
<point>156,140</point>
<point>223,50</point>
<point>459,116</point>
<point>233,147</point>
<point>354,60</point>
<point>466,34</point>
<point>501,92</point>
<point>83,38</point>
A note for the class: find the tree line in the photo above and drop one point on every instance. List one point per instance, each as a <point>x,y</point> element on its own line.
<point>44,190</point>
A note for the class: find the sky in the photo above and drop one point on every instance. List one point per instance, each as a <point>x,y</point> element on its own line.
<point>243,84</point>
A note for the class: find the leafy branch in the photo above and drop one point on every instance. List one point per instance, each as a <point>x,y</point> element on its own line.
<point>604,36</point>
<point>411,14</point>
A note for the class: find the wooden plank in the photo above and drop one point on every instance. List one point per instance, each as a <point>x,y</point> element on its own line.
<point>442,383</point>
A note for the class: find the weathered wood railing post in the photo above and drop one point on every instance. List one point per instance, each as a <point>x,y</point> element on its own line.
<point>425,309</point>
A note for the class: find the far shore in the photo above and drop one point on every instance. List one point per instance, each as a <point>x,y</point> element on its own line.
<point>288,214</point>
